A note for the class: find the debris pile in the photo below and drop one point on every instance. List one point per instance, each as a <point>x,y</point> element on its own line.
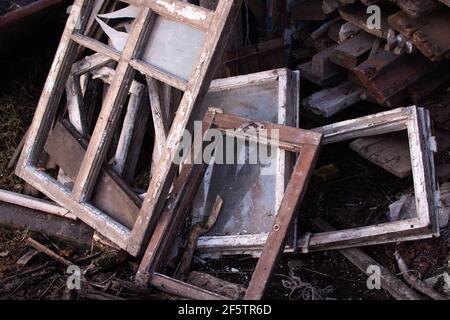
<point>129,147</point>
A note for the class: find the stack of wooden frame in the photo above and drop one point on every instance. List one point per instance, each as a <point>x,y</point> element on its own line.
<point>156,75</point>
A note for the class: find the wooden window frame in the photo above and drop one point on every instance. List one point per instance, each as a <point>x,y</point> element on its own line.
<point>216,25</point>
<point>305,142</point>
<point>416,121</point>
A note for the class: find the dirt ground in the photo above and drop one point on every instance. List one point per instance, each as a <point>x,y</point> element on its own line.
<point>358,193</point>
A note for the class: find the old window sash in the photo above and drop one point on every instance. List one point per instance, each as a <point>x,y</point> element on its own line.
<point>215,25</point>
<point>239,95</point>
<point>306,143</point>
<point>416,121</point>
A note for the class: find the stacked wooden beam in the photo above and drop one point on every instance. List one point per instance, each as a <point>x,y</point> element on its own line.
<point>403,62</point>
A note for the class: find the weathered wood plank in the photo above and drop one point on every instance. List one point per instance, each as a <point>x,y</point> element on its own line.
<point>109,195</point>
<point>352,52</point>
<point>391,152</point>
<point>20,217</point>
<point>418,8</point>
<point>328,102</point>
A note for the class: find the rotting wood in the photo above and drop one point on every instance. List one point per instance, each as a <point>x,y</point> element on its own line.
<point>326,81</point>
<point>322,65</point>
<point>211,283</point>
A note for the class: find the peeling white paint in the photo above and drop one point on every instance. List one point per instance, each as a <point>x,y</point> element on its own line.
<point>192,14</point>
<point>187,12</point>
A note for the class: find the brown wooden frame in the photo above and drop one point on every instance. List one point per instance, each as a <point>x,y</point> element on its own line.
<point>307,143</point>
<point>216,25</point>
<point>416,121</point>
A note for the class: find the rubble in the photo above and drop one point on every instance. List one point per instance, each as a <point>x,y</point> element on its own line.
<point>132,81</point>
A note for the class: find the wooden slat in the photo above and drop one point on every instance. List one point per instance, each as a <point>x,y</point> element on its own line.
<point>110,194</point>
<point>110,112</point>
<point>149,70</point>
<point>183,289</point>
<point>380,123</point>
<point>418,8</point>
<point>198,86</point>
<point>275,241</point>
<point>290,138</point>
<point>96,46</point>
<point>35,204</point>
<point>395,77</point>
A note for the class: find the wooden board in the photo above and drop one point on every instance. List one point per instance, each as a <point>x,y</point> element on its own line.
<point>418,8</point>
<point>426,32</point>
<point>386,75</point>
<point>391,152</point>
<point>110,194</point>
<point>390,282</point>
<point>330,101</point>
<point>352,52</point>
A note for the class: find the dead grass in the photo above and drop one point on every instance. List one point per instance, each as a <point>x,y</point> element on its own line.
<point>17,105</point>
